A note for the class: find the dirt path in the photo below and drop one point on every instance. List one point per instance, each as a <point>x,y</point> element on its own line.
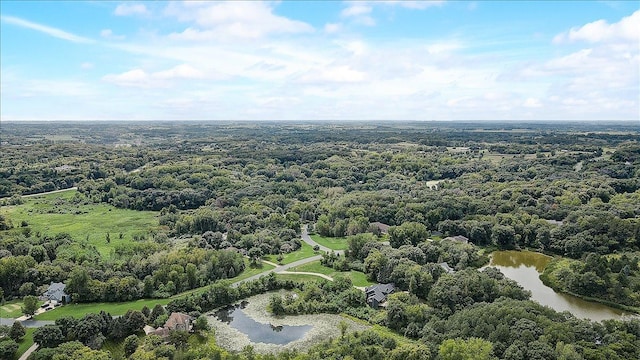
<point>50,192</point>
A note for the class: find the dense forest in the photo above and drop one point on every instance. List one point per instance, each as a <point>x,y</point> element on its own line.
<point>226,193</point>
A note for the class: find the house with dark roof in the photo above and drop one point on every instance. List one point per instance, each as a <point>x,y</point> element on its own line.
<point>379,228</point>
<point>377,294</point>
<point>56,292</point>
<point>458,238</point>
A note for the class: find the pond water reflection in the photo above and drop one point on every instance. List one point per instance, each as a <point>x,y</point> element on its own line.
<point>525,268</point>
<point>260,332</point>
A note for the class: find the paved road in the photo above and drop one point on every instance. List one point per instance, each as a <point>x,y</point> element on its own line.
<point>26,323</point>
<point>283,268</point>
<point>306,238</point>
<point>307,273</point>
<point>26,354</point>
<point>278,269</point>
<point>50,192</point>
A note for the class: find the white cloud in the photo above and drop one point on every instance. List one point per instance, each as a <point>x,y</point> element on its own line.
<point>183,71</point>
<point>343,76</point>
<point>410,4</point>
<point>332,28</point>
<point>108,34</point>
<point>443,47</point>
<point>532,103</point>
<point>51,31</point>
<point>127,9</point>
<point>86,66</point>
<point>232,20</point>
<point>355,10</point>
<point>358,13</point>
<point>627,29</point>
<point>159,79</point>
<point>335,74</point>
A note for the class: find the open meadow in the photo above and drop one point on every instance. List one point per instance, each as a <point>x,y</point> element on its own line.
<point>70,212</point>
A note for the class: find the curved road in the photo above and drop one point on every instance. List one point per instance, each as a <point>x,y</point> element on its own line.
<point>306,238</point>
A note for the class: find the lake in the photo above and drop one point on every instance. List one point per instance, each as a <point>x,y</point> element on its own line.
<point>260,332</point>
<point>525,267</point>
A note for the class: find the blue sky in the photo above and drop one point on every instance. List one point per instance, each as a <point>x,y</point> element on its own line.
<point>336,60</point>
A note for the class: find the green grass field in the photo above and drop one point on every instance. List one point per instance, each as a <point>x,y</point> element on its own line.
<point>116,348</point>
<point>13,308</point>
<point>333,243</point>
<point>300,277</point>
<point>79,310</point>
<point>26,342</point>
<point>357,278</point>
<point>56,213</point>
<point>304,252</point>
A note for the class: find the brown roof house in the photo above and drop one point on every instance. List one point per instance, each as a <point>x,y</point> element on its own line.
<point>379,228</point>
<point>176,322</point>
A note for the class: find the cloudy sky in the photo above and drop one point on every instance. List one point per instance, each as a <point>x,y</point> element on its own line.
<point>298,60</point>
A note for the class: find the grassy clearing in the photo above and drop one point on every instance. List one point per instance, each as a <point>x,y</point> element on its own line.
<point>335,243</point>
<point>357,278</point>
<point>58,213</point>
<point>26,342</point>
<point>304,252</point>
<point>116,347</point>
<point>79,310</point>
<point>300,277</point>
<point>13,308</point>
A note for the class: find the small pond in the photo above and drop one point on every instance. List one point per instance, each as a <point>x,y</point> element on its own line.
<point>260,332</point>
<point>525,267</point>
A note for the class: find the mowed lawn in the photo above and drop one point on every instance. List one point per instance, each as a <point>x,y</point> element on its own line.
<point>357,278</point>
<point>26,342</point>
<point>13,309</point>
<point>304,252</point>
<point>57,213</point>
<point>79,310</point>
<point>333,243</point>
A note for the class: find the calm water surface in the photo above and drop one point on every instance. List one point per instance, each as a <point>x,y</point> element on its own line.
<point>525,268</point>
<point>259,332</point>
